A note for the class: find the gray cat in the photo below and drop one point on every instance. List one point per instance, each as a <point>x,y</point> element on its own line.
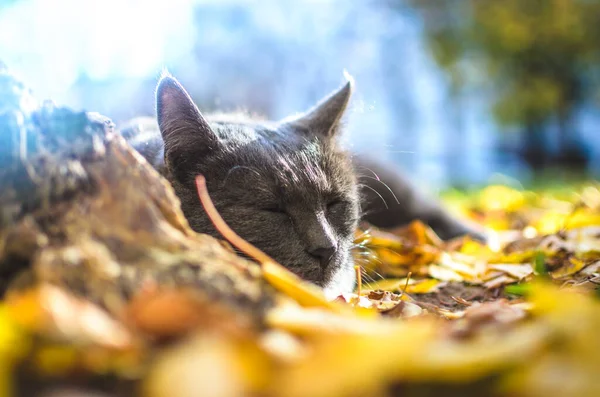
<point>287,187</point>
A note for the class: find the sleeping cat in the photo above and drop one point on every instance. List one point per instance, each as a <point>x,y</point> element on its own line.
<point>286,187</point>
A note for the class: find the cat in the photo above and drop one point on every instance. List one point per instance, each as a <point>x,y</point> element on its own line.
<point>287,187</point>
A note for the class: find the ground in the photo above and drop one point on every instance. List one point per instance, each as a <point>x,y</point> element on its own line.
<point>516,316</point>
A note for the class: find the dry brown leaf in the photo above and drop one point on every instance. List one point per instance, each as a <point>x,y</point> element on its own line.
<point>499,281</point>
<point>169,312</point>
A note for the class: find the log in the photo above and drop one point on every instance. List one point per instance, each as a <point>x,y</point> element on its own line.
<point>80,209</point>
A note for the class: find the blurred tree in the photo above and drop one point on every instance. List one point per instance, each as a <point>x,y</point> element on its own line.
<point>539,59</point>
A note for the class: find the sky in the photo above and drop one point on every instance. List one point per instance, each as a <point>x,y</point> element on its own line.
<point>272,57</point>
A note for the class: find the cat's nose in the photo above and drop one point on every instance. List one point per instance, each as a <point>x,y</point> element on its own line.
<point>324,254</point>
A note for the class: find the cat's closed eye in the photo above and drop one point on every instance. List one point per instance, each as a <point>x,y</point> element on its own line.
<point>335,204</point>
<point>340,212</point>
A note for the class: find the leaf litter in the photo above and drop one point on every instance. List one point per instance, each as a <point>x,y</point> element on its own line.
<point>107,291</point>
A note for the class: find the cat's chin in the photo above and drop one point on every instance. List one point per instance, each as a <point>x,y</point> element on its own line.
<point>342,281</point>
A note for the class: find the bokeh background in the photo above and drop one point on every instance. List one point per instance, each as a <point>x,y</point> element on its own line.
<point>457,92</point>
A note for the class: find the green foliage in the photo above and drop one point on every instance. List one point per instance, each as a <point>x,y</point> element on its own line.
<point>538,56</point>
<point>522,289</point>
<point>539,264</point>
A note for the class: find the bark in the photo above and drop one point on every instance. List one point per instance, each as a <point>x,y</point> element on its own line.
<point>82,210</point>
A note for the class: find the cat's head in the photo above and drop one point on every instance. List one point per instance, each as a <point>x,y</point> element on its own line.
<point>285,187</point>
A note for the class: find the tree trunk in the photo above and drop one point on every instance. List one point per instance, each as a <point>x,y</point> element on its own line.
<point>88,215</point>
<point>572,152</point>
<point>535,150</point>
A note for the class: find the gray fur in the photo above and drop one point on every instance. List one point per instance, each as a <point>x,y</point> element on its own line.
<point>285,187</point>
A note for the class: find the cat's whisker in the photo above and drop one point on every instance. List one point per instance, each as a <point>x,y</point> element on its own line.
<point>366,275</point>
<point>370,170</point>
<point>364,213</point>
<point>376,178</point>
<point>362,250</point>
<point>363,234</point>
<point>373,272</point>
<point>377,193</point>
<point>369,279</point>
<point>378,275</point>
<point>368,256</point>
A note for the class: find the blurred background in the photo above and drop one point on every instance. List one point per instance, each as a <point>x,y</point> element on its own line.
<point>458,93</point>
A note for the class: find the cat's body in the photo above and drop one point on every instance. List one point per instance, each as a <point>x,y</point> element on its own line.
<point>286,187</point>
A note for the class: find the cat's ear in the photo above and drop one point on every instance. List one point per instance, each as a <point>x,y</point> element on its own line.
<point>181,124</point>
<point>324,118</point>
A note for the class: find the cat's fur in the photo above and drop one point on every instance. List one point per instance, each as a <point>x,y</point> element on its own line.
<point>286,187</point>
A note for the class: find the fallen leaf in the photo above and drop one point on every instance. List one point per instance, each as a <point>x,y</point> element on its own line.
<point>47,310</point>
<point>169,313</point>
<point>570,267</point>
<point>444,274</point>
<point>305,293</point>
<point>518,271</point>
<point>499,281</point>
<point>403,309</point>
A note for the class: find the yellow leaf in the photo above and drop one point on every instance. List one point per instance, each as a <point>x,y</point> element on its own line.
<point>209,366</point>
<point>444,274</point>
<point>357,364</point>
<point>501,198</point>
<point>397,284</point>
<point>444,361</point>
<point>305,293</point>
<point>379,238</point>
<point>316,322</point>
<point>551,222</point>
<point>390,284</point>
<point>514,257</point>
<point>582,219</point>
<point>423,287</point>
<point>572,266</point>
<point>50,311</point>
<point>14,345</point>
<point>56,359</point>
<point>474,248</point>
<point>573,320</point>
<point>393,258</point>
